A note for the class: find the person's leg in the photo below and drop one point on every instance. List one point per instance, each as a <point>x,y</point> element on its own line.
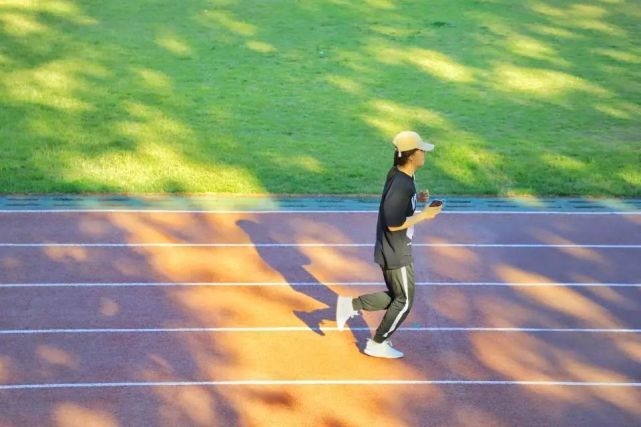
<point>376,301</point>
<point>402,283</point>
<point>347,307</point>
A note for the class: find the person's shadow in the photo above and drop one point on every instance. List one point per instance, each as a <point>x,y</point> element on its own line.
<point>290,262</point>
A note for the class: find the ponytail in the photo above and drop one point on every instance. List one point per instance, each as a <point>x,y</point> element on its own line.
<point>404,157</point>
<point>400,160</point>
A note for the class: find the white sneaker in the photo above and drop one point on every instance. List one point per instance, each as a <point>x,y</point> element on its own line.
<point>344,311</point>
<point>383,349</point>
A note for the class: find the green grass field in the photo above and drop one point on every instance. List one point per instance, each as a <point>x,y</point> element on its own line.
<point>538,97</point>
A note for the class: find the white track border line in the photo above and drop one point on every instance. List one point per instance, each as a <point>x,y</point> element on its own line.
<point>306,245</point>
<point>46,386</point>
<point>307,329</point>
<point>312,284</point>
<point>224,212</point>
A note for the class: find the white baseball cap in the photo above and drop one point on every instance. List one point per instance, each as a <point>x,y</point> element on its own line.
<point>409,140</point>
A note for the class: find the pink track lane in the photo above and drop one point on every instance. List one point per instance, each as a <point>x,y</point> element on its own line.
<point>305,264</point>
<point>336,405</point>
<point>312,227</point>
<point>312,306</point>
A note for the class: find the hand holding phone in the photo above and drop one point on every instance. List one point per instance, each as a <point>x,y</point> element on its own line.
<point>433,209</point>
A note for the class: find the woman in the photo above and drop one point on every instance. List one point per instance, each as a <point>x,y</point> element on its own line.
<point>393,250</point>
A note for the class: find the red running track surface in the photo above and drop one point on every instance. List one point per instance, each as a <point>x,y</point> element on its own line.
<point>95,335</point>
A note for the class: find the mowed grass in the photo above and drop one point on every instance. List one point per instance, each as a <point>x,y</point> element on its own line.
<point>536,97</point>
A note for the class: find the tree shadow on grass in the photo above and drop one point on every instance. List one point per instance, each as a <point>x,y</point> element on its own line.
<point>200,93</point>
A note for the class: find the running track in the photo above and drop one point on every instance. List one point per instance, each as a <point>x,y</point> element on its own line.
<point>186,318</point>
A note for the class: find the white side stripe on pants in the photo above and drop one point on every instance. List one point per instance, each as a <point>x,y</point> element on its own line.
<point>407,303</point>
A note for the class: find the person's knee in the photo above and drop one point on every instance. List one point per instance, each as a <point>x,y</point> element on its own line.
<point>399,301</point>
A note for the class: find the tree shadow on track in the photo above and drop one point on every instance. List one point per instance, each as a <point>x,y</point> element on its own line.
<point>296,274</point>
<point>438,355</point>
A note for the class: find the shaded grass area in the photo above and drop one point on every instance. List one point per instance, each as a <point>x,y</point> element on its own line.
<point>521,98</point>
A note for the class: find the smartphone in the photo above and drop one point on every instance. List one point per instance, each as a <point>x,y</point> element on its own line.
<point>436,203</point>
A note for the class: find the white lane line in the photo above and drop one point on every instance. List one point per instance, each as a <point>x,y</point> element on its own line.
<point>309,245</point>
<point>46,386</point>
<point>307,329</point>
<point>311,284</point>
<point>225,212</point>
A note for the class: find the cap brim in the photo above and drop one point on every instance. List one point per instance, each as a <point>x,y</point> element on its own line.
<point>425,146</point>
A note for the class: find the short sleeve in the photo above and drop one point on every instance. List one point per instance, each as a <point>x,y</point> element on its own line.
<point>395,204</point>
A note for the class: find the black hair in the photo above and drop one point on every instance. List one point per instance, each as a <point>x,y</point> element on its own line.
<point>404,157</point>
<point>400,160</point>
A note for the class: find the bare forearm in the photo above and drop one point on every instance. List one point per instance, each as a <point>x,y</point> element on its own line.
<point>409,221</point>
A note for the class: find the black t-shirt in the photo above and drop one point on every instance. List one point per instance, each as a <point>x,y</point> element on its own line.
<point>393,249</point>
